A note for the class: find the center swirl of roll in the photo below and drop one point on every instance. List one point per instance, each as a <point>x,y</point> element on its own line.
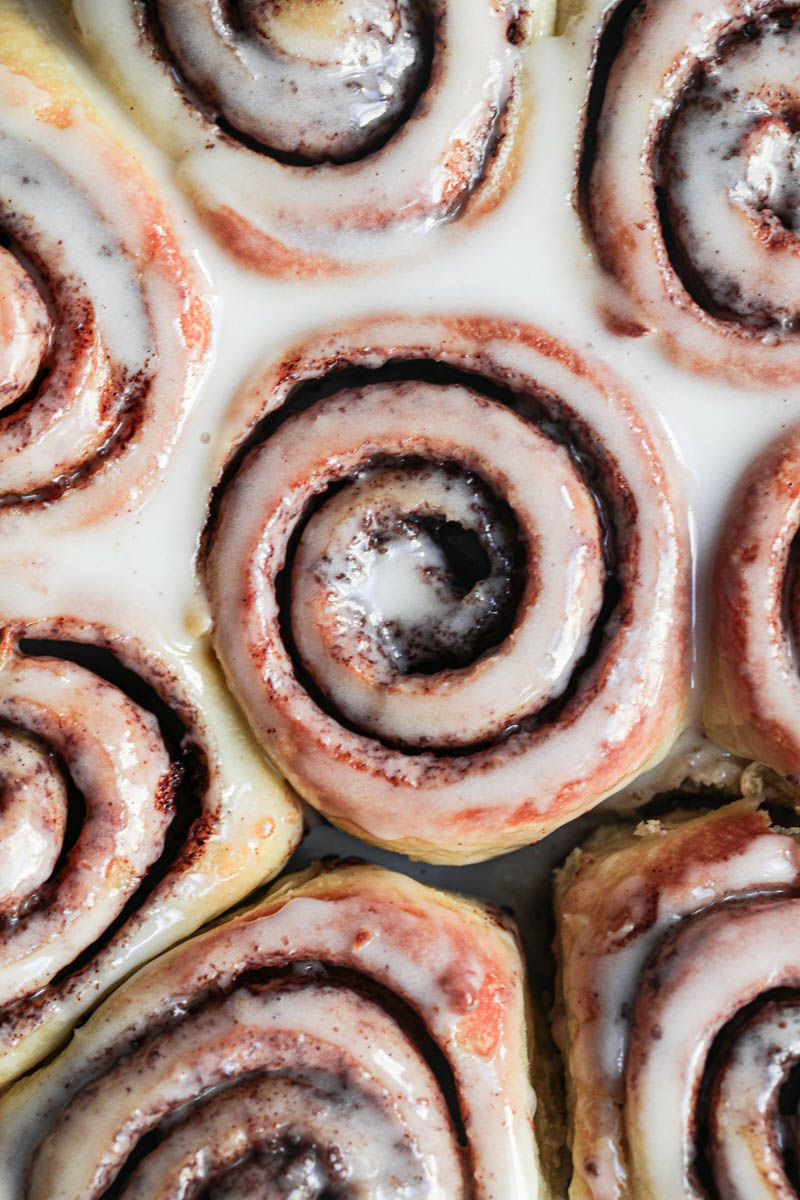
<point>412,569</point>
<point>323,81</point>
<point>429,593</point>
<point>25,330</point>
<point>426,573</point>
<point>729,159</point>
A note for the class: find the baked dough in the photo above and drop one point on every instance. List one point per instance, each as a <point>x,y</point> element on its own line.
<point>296,1041</point>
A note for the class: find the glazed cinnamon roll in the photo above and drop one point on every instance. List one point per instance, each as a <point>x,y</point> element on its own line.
<point>448,574</point>
<point>689,172</point>
<point>679,986</point>
<point>315,134</point>
<point>104,324</point>
<point>123,826</point>
<point>353,1034</point>
<point>753,689</point>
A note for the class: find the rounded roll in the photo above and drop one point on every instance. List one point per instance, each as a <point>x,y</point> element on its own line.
<point>429,587</point>
<point>355,1033</point>
<point>104,323</point>
<point>115,825</point>
<point>317,135</point>
<point>677,1013</point>
<point>753,690</point>
<point>689,160</point>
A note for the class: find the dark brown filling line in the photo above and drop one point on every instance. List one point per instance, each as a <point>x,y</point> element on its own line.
<point>76,814</point>
<point>126,395</point>
<point>701,1167</point>
<point>788,1103</point>
<point>295,976</point>
<point>189,772</point>
<point>210,106</point>
<point>693,94</point>
<point>468,562</point>
<point>619,25</point>
<point>610,40</point>
<point>614,505</point>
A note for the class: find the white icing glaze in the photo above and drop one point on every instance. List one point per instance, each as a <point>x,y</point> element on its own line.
<point>507,265</point>
<point>625,913</point>
<point>62,941</point>
<point>718,167</point>
<point>321,83</point>
<point>716,964</point>
<point>115,755</point>
<point>366,1158</point>
<point>403,1127</point>
<point>753,700</point>
<point>745,1135</point>
<point>33,817</point>
<point>457,966</point>
<point>289,216</point>
<point>380,579</point>
<point>541,486</point>
<point>25,328</point>
<point>527,261</point>
<point>129,330</point>
<point>733,190</point>
<point>768,862</point>
<point>486,799</point>
<point>141,302</point>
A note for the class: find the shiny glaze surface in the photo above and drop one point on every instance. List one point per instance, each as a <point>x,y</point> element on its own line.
<point>528,260</point>
<point>421,105</point>
<point>519,778</point>
<point>664,935</point>
<point>203,1016</point>
<point>689,182</point>
<point>108,324</point>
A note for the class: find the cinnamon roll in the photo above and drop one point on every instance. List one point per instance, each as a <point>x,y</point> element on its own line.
<point>753,689</point>
<point>689,169</point>
<point>123,826</point>
<point>311,135</point>
<point>105,326</point>
<point>355,1033</point>
<point>679,985</point>
<point>448,573</point>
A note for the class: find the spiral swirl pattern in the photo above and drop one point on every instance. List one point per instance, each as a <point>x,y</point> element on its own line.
<point>431,594</point>
<point>754,687</point>
<point>286,1052</point>
<point>678,1009</point>
<point>112,825</point>
<point>104,325</point>
<point>128,799</point>
<point>690,165</point>
<point>312,135</point>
